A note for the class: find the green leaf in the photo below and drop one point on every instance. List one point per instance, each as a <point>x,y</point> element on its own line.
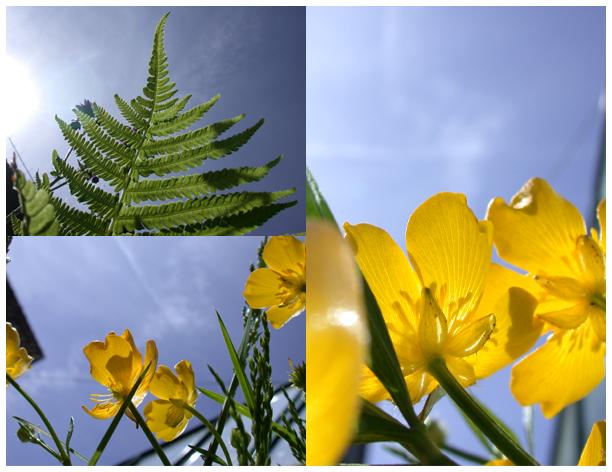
<point>238,369</point>
<point>433,398</point>
<point>39,218</point>
<point>316,205</point>
<point>377,426</point>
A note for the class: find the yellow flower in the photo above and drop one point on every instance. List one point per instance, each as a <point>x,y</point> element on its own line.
<point>336,344</point>
<point>281,287</point>
<point>545,235</point>
<point>117,363</point>
<point>594,452</point>
<point>452,303</point>
<point>167,417</point>
<point>17,358</point>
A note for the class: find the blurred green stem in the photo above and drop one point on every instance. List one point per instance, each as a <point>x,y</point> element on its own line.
<point>212,430</point>
<point>143,424</point>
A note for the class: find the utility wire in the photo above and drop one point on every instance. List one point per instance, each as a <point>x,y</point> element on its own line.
<point>20,158</point>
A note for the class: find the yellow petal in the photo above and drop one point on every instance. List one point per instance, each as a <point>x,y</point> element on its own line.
<point>285,253</point>
<point>450,251</point>
<point>12,339</point>
<point>99,353</point>
<point>137,357</point>
<point>336,344</point>
<point>601,217</point>
<point>461,370</point>
<point>280,314</point>
<point>388,272</point>
<point>165,419</point>
<point>420,384</point>
<point>506,295</point>
<point>538,230</point>
<point>370,387</point>
<point>121,372</point>
<point>150,360</point>
<point>565,369</point>
<point>185,375</point>
<point>165,385</point>
<point>499,462</point>
<point>263,288</point>
<point>594,452</point>
<point>592,263</point>
<point>103,410</point>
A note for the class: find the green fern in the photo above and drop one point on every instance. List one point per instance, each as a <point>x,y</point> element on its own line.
<point>158,141</point>
<point>39,217</point>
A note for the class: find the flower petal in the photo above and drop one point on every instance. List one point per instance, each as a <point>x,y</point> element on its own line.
<point>370,387</point>
<point>151,360</point>
<point>601,217</point>
<point>594,452</point>
<point>565,369</point>
<point>471,337</point>
<point>165,385</point>
<point>263,288</point>
<point>538,230</point>
<point>461,370</point>
<point>165,419</point>
<point>185,375</point>
<point>18,362</point>
<point>450,251</point>
<point>103,410</point>
<point>99,353</point>
<point>285,253</point>
<point>12,339</point>
<point>508,296</point>
<point>137,357</point>
<point>336,345</point>
<point>280,314</point>
<point>387,270</point>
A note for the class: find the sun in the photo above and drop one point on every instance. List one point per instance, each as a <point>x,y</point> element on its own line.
<point>20,95</point>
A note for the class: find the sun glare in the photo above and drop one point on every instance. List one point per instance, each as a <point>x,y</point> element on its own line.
<point>21,95</point>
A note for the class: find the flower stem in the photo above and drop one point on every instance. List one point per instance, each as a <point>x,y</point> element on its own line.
<point>65,458</point>
<point>490,428</point>
<point>211,428</point>
<point>142,423</point>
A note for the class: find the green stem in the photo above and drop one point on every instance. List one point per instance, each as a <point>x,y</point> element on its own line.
<point>212,430</point>
<point>65,458</point>
<point>142,423</point>
<point>508,446</point>
<point>465,454</point>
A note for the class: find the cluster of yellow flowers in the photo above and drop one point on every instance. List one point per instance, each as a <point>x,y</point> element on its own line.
<point>447,301</point>
<point>117,364</point>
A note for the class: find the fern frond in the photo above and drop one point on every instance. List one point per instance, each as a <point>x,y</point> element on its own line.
<point>38,211</point>
<point>192,139</point>
<point>75,222</point>
<point>194,157</point>
<point>99,201</point>
<point>16,225</point>
<point>157,138</point>
<point>195,185</point>
<point>130,114</point>
<point>194,210</point>
<point>184,121</point>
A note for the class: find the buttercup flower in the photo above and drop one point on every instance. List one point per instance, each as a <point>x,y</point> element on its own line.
<point>336,345</point>
<point>544,234</point>
<point>452,303</point>
<point>167,417</point>
<point>117,363</point>
<point>280,287</point>
<point>17,358</point>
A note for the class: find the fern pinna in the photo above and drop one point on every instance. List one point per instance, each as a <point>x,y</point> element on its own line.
<point>131,157</point>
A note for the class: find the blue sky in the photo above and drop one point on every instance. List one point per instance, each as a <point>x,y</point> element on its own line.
<point>76,290</point>
<point>254,57</point>
<point>407,102</point>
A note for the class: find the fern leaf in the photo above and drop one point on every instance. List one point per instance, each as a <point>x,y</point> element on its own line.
<point>130,114</point>
<point>38,211</point>
<point>75,222</point>
<point>195,185</point>
<point>115,128</point>
<point>99,201</point>
<point>192,139</point>
<point>185,120</point>
<point>235,225</point>
<point>194,157</point>
<point>117,151</point>
<point>195,210</point>
<point>170,109</point>
<point>16,225</point>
